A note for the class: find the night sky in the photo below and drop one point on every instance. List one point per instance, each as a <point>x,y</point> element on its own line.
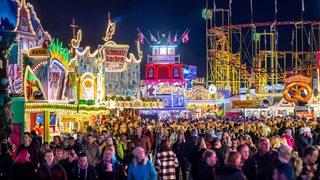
<point>158,15</point>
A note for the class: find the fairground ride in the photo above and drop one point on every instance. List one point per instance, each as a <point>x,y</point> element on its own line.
<point>250,55</point>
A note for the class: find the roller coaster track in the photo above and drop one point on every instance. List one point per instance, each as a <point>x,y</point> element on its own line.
<point>266,24</point>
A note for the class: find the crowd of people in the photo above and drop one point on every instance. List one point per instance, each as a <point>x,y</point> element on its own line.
<point>279,148</point>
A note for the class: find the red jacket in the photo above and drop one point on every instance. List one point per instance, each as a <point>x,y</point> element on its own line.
<point>290,141</point>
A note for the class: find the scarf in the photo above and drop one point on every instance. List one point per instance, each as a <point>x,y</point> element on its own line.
<point>86,170</point>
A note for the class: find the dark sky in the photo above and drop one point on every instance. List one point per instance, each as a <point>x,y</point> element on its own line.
<point>161,15</point>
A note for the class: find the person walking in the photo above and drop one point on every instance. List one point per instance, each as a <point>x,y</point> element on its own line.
<point>50,170</point>
<point>23,167</point>
<point>109,167</point>
<point>166,162</point>
<point>141,167</point>
<point>206,167</point>
<point>31,148</point>
<point>179,148</point>
<point>231,170</point>
<point>142,141</point>
<point>83,170</point>
<point>92,151</point>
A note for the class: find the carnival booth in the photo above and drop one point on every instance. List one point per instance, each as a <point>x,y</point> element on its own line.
<point>208,103</point>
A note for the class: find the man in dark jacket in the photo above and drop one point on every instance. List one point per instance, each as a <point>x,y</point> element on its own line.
<point>219,152</point>
<point>79,144</point>
<point>70,162</point>
<point>206,167</point>
<point>306,139</point>
<point>31,148</point>
<point>265,158</point>
<point>83,170</point>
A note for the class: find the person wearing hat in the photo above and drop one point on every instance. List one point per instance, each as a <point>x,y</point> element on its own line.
<point>305,139</point>
<point>141,167</point>
<point>288,137</point>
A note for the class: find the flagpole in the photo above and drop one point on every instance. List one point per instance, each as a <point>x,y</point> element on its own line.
<point>230,10</point>
<point>175,36</point>
<point>168,41</point>
<point>214,12</point>
<point>251,5</point>
<point>275,10</point>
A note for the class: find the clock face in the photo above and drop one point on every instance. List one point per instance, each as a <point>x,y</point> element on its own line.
<point>212,89</point>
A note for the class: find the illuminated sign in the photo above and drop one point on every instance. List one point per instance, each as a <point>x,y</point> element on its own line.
<point>70,118</point>
<point>298,88</point>
<point>297,78</point>
<point>274,87</point>
<point>212,89</point>
<point>38,52</point>
<point>243,103</point>
<point>115,57</point>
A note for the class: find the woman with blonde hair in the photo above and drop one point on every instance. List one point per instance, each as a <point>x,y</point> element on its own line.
<point>283,141</point>
<point>275,142</point>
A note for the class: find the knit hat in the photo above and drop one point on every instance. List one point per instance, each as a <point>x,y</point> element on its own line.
<point>137,150</point>
<point>301,130</point>
<point>307,129</point>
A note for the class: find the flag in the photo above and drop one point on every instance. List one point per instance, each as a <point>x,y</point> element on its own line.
<point>302,5</point>
<point>169,38</point>
<point>185,37</point>
<point>275,6</point>
<point>175,38</point>
<point>153,39</point>
<point>230,2</point>
<point>292,37</point>
<point>141,37</point>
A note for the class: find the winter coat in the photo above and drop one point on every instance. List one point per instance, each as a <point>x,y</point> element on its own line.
<point>249,169</point>
<point>265,162</point>
<point>230,172</point>
<point>53,172</point>
<point>88,173</point>
<point>68,166</point>
<point>290,141</point>
<point>23,171</point>
<point>144,142</point>
<point>141,171</point>
<point>206,171</point>
<point>93,153</point>
<point>33,151</point>
<point>180,150</point>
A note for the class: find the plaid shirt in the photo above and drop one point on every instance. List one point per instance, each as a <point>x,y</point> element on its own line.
<point>166,163</point>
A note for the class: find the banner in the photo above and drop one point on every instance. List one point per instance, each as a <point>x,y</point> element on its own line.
<point>115,57</point>
<point>241,104</point>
